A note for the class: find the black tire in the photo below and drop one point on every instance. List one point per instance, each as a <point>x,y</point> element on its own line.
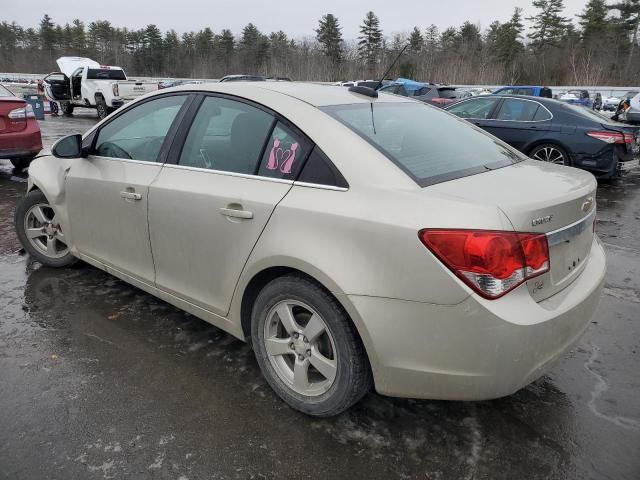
<point>32,198</point>
<point>101,107</point>
<point>20,163</point>
<point>66,108</point>
<point>353,377</point>
<point>539,149</point>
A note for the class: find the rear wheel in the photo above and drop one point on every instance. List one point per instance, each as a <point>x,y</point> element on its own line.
<point>67,108</point>
<point>39,231</point>
<point>101,107</point>
<point>21,163</point>
<point>550,153</point>
<point>307,347</point>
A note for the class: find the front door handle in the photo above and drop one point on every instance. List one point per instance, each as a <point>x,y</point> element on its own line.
<point>131,195</point>
<point>236,213</point>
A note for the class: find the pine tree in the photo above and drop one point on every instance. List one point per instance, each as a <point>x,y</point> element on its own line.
<point>255,48</point>
<point>47,34</point>
<point>549,27</point>
<point>329,36</point>
<point>593,19</point>
<point>415,40</point>
<point>370,39</point>
<point>507,41</point>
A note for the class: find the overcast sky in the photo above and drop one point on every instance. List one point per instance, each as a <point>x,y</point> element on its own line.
<point>297,18</point>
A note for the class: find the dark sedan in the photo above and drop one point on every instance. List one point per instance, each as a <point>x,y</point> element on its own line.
<point>557,132</point>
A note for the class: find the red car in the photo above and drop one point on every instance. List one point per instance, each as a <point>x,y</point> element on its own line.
<point>20,139</point>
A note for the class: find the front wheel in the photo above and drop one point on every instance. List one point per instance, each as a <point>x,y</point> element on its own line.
<point>20,163</point>
<point>551,153</point>
<point>307,347</point>
<point>39,231</point>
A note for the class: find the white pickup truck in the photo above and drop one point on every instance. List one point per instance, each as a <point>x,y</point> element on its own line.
<point>82,82</point>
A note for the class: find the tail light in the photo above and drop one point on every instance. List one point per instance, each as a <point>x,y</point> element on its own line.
<point>492,263</point>
<point>21,113</point>
<point>612,137</point>
<point>115,89</point>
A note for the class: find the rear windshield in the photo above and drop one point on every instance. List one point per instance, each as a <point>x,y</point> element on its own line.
<point>592,115</point>
<point>430,145</point>
<point>105,74</point>
<point>4,92</point>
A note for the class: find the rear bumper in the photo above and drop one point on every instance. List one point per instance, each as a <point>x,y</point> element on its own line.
<point>117,103</point>
<point>478,349</point>
<point>603,164</point>
<point>26,143</point>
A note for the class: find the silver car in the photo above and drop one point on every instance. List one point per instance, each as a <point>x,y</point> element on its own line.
<point>355,240</point>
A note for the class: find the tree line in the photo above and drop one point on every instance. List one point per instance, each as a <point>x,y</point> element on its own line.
<point>601,46</point>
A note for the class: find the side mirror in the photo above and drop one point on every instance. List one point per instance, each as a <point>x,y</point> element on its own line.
<point>69,147</point>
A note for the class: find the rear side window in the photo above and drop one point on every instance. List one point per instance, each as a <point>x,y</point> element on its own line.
<point>524,91</point>
<point>426,143</point>
<point>321,171</point>
<point>542,114</point>
<point>517,110</point>
<point>105,74</point>
<point>284,155</point>
<point>546,93</point>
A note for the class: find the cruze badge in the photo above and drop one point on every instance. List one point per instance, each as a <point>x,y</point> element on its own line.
<point>586,206</point>
<point>541,221</point>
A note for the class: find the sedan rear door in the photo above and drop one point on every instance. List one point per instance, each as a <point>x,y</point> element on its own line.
<point>209,205</point>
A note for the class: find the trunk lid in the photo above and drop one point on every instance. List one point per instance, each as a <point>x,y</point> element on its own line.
<point>539,197</point>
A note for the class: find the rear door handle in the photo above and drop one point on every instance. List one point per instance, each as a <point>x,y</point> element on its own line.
<point>131,195</point>
<point>236,213</point>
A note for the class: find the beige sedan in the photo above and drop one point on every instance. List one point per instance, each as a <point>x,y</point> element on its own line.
<point>356,240</point>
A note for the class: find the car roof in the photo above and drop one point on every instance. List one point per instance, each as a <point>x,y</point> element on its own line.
<point>311,93</point>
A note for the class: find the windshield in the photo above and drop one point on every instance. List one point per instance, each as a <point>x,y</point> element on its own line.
<point>5,92</point>
<point>105,74</point>
<point>428,144</point>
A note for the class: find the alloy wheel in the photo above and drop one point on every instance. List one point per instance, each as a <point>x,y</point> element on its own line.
<point>43,231</point>
<point>549,154</point>
<point>300,348</point>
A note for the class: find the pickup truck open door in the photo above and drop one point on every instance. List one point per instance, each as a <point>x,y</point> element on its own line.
<point>57,86</point>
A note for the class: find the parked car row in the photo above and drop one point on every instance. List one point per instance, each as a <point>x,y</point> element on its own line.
<point>554,131</point>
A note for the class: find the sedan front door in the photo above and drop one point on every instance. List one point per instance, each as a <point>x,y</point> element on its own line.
<point>208,209</point>
<point>107,192</point>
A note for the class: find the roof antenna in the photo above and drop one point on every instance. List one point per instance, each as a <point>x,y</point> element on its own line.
<point>392,65</point>
<point>373,92</point>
